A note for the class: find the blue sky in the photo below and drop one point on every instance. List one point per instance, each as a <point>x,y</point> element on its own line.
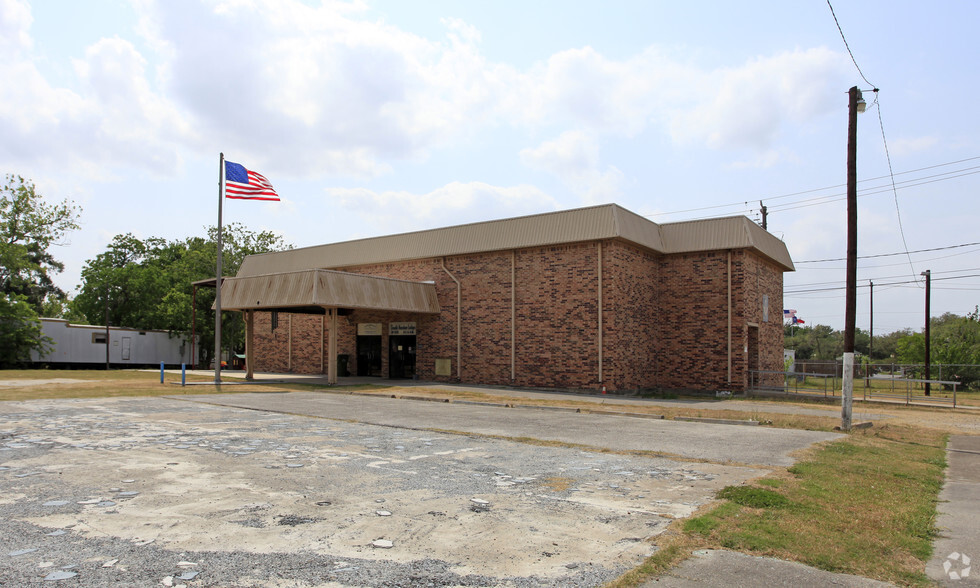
<point>376,117</point>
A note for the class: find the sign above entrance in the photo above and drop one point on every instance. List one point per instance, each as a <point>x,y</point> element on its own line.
<point>401,328</point>
<point>368,329</point>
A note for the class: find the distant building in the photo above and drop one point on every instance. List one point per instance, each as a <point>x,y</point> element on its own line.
<point>85,346</point>
<point>577,299</point>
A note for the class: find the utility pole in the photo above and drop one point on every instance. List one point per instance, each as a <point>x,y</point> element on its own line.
<point>765,214</point>
<point>107,327</point>
<point>855,104</point>
<point>871,331</point>
<point>928,275</point>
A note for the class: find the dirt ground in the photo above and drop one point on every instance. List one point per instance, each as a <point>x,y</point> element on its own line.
<point>118,491</point>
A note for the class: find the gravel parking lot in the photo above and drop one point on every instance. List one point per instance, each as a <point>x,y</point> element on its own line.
<point>156,491</point>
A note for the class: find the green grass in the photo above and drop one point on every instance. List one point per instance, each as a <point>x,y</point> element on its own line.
<point>864,505</point>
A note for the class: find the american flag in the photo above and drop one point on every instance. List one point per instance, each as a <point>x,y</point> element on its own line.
<point>243,184</point>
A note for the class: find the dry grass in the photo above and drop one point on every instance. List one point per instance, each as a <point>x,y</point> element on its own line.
<point>118,383</point>
<point>863,505</point>
<point>557,483</point>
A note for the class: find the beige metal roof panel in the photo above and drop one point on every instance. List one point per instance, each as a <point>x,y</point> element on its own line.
<point>638,229</point>
<point>327,289</point>
<point>607,221</point>
<point>583,224</point>
<point>736,232</point>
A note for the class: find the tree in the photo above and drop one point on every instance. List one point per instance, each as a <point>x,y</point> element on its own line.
<point>29,227</point>
<point>20,331</point>
<point>148,284</point>
<point>955,341</point>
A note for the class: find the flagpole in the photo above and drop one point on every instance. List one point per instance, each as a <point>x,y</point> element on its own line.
<point>217,294</point>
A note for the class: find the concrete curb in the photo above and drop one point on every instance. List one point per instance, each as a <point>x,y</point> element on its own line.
<point>716,421</point>
<point>505,404</point>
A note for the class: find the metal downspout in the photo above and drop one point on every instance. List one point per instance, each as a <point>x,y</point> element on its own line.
<point>600,312</point>
<point>459,322</point>
<point>332,348</point>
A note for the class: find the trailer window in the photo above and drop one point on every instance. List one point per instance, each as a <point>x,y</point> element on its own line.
<point>98,338</point>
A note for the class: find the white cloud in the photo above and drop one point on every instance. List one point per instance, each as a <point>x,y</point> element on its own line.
<point>747,106</point>
<point>454,203</point>
<point>113,118</point>
<point>15,22</point>
<point>909,146</point>
<point>574,158</point>
<point>311,90</point>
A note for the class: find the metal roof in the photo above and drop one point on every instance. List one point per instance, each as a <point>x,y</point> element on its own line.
<point>608,221</point>
<point>310,290</point>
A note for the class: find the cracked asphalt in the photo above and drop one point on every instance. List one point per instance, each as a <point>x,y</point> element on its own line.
<point>309,489</point>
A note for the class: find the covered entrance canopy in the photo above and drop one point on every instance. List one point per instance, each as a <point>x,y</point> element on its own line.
<point>319,291</point>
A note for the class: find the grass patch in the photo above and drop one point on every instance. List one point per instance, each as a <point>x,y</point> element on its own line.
<point>753,497</point>
<point>864,505</point>
<point>38,384</point>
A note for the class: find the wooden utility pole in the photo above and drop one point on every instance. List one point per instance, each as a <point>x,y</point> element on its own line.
<point>855,103</point>
<point>928,275</point>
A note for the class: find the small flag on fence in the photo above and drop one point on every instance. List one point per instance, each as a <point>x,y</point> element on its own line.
<point>243,184</point>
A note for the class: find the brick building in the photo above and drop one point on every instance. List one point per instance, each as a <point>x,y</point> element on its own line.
<point>576,299</point>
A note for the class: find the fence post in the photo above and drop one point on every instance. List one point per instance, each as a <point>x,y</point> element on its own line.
<point>161,372</point>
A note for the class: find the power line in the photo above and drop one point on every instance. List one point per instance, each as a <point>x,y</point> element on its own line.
<point>867,267</point>
<point>912,183</point>
<point>888,157</point>
<point>843,38</point>
<point>883,284</point>
<point>966,269</point>
<point>891,254</point>
<point>907,183</point>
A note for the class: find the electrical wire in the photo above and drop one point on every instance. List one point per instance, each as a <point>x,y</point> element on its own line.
<point>891,254</point>
<point>883,284</point>
<point>843,38</point>
<point>868,191</point>
<point>888,157</point>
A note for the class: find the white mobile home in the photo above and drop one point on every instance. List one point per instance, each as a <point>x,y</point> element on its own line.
<point>85,346</point>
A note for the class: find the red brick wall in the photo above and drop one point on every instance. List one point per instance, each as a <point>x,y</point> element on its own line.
<point>693,303</point>
<point>761,277</point>
<point>631,320</point>
<point>664,321</point>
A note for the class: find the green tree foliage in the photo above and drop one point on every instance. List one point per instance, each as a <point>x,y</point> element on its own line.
<point>29,228</point>
<point>20,331</point>
<point>954,341</point>
<point>148,284</point>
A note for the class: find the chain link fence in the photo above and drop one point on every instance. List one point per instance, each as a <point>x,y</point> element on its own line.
<point>892,382</point>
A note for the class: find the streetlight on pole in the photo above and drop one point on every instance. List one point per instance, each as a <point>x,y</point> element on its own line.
<point>855,104</point>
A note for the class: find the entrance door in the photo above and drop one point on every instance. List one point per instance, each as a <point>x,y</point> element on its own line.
<point>755,378</point>
<point>401,356</point>
<point>369,355</point>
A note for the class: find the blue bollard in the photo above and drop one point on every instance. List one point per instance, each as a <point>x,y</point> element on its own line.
<point>161,372</point>
<point>183,375</point>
